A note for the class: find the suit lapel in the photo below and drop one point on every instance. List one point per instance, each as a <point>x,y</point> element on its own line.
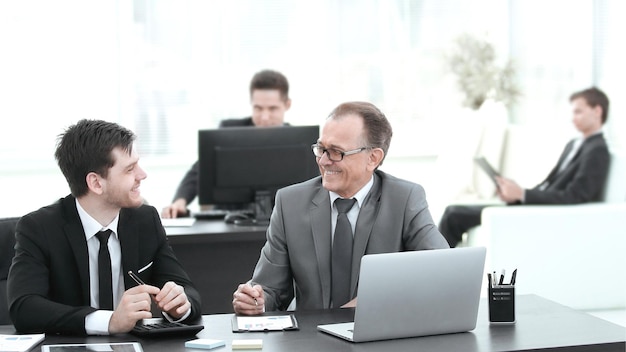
<point>585,144</point>
<point>363,230</point>
<point>555,170</point>
<point>565,153</point>
<point>320,226</point>
<point>129,244</point>
<point>75,234</point>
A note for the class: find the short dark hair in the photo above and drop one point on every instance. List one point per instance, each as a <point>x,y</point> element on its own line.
<point>377,128</point>
<point>86,147</point>
<point>594,97</point>
<point>269,79</point>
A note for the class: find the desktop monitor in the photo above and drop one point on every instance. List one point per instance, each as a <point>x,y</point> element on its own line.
<point>247,165</point>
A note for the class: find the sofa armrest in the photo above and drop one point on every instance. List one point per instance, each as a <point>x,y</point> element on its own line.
<point>573,254</point>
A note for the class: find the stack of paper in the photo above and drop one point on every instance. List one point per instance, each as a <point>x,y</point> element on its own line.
<point>254,344</point>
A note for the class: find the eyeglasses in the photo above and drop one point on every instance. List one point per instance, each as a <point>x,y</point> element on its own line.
<point>334,154</point>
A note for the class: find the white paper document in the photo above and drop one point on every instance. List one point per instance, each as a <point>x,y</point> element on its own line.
<point>178,222</point>
<point>264,323</point>
<point>19,343</point>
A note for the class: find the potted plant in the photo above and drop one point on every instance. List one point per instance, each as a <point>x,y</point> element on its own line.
<point>479,76</point>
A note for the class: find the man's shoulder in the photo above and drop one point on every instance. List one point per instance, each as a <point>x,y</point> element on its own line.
<point>312,184</point>
<point>395,182</point>
<point>52,216</point>
<point>393,189</point>
<point>54,210</point>
<point>595,145</point>
<point>143,212</point>
<point>237,122</point>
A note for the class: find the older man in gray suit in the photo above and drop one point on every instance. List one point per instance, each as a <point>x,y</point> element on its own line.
<point>301,252</point>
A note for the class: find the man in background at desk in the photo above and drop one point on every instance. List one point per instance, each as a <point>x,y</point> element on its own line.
<point>315,241</point>
<point>269,97</point>
<point>578,177</point>
<point>69,273</point>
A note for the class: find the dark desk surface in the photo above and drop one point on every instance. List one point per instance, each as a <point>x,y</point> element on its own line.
<point>218,257</point>
<point>542,325</point>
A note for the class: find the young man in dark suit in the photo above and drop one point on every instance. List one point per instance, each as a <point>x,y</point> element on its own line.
<point>56,283</point>
<point>269,97</point>
<point>578,177</point>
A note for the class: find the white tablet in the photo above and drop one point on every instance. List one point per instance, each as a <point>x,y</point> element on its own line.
<point>90,347</point>
<point>488,169</point>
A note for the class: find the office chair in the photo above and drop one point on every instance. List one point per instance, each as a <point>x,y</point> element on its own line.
<point>7,243</point>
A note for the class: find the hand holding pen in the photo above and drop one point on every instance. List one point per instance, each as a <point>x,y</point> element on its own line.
<point>170,299</point>
<point>134,305</point>
<point>140,282</point>
<point>249,299</point>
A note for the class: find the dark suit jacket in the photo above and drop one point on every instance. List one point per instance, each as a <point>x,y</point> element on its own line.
<point>48,285</point>
<point>583,179</point>
<point>188,187</point>
<point>393,218</point>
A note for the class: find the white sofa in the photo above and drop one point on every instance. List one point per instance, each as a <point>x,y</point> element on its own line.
<point>572,254</point>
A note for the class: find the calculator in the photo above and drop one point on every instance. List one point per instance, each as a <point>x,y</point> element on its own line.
<point>164,328</point>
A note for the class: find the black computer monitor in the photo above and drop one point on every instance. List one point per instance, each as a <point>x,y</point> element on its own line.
<point>240,165</point>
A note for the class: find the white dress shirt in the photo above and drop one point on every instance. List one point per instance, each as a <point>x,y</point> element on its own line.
<point>353,213</point>
<point>97,323</point>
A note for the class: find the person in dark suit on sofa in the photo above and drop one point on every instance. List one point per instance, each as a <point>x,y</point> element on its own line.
<point>578,177</point>
<point>55,282</point>
<point>269,97</point>
<point>387,214</point>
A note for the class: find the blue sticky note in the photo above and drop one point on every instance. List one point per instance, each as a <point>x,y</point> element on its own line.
<point>206,344</point>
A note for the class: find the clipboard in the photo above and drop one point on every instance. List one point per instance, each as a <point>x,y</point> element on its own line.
<point>282,322</point>
<point>487,168</point>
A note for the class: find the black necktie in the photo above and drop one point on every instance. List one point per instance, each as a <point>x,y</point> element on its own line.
<point>342,254</point>
<point>104,271</point>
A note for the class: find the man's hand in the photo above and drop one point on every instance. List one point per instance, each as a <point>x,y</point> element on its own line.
<point>173,300</point>
<point>134,306</point>
<point>174,210</point>
<point>508,190</point>
<point>351,304</point>
<point>249,300</point>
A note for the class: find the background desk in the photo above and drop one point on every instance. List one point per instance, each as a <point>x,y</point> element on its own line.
<point>542,325</point>
<point>217,256</point>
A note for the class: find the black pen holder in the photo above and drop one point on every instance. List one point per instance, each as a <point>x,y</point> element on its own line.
<point>502,304</point>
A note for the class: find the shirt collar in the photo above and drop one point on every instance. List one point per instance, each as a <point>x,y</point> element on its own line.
<point>359,196</point>
<point>91,226</point>
<point>591,135</point>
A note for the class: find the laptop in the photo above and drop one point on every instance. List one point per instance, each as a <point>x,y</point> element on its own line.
<point>444,286</point>
<point>487,168</point>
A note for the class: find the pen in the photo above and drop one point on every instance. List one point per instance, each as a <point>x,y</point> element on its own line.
<point>138,280</point>
<point>255,301</point>
<point>513,277</point>
<point>135,277</point>
<point>501,278</point>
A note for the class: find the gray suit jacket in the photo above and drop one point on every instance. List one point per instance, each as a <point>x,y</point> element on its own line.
<point>393,218</point>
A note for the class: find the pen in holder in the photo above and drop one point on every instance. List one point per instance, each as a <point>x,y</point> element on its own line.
<point>501,300</point>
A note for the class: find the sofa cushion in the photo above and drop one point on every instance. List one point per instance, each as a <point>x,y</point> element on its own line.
<point>615,189</point>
